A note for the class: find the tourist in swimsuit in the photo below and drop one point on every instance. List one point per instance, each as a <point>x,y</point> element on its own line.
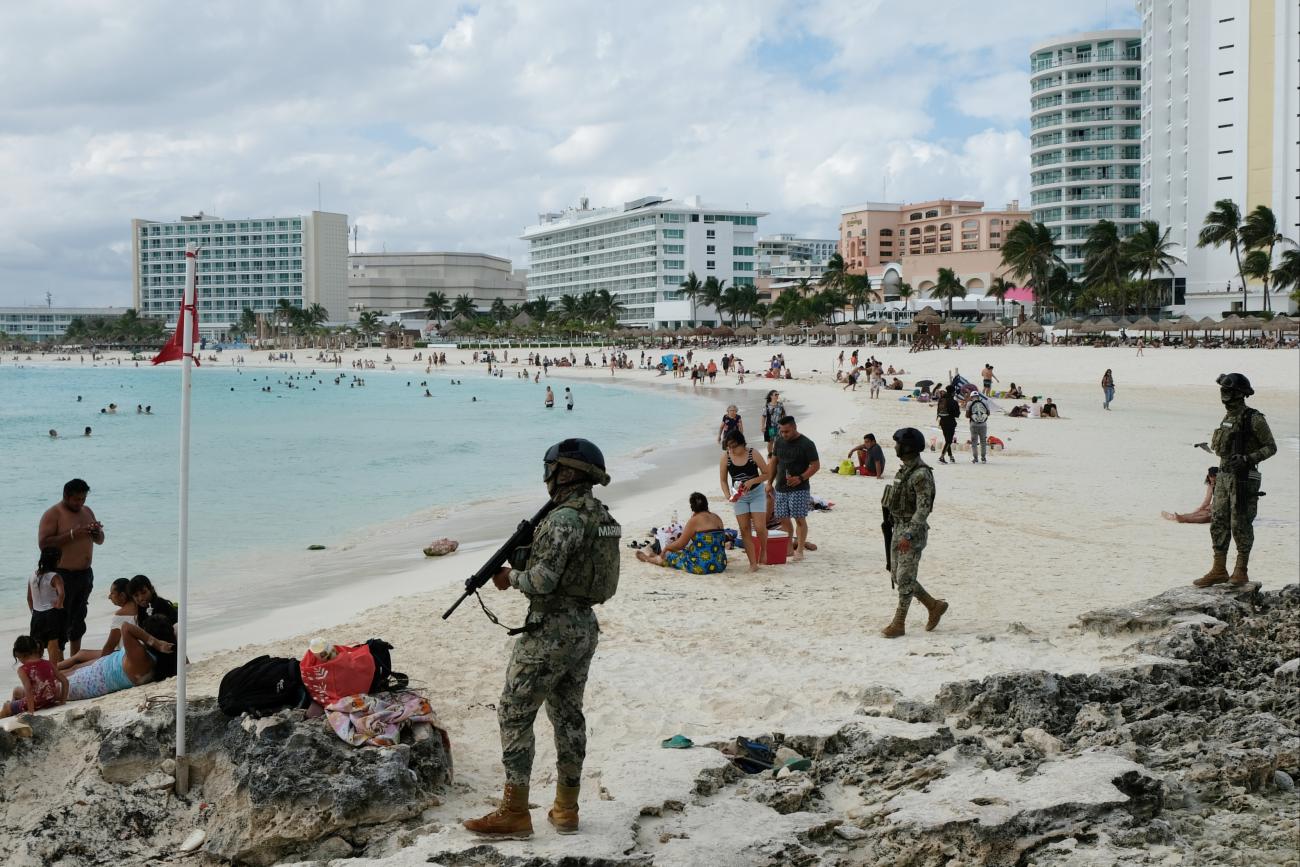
<point>741,474</point>
<point>130,665</point>
<point>731,421</point>
<point>120,595</point>
<point>700,549</point>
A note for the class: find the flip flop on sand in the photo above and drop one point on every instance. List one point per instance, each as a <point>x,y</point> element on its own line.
<point>677,742</point>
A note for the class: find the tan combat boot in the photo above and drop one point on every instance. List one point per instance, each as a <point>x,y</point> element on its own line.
<point>936,607</point>
<point>1239,575</point>
<point>510,821</point>
<point>1218,572</point>
<point>897,626</point>
<point>564,813</point>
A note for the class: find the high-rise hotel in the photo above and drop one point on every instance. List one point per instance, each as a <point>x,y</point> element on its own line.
<point>1086,125</point>
<point>640,253</point>
<point>1220,120</point>
<point>248,263</point>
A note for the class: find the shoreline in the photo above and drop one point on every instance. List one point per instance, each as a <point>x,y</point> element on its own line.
<point>1062,522</point>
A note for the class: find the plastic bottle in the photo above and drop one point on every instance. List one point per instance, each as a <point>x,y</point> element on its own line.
<point>675,518</point>
<point>322,649</point>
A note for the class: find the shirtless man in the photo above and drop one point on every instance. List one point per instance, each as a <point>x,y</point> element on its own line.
<point>71,526</point>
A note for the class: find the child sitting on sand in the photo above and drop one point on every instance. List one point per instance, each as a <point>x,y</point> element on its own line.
<point>43,685</point>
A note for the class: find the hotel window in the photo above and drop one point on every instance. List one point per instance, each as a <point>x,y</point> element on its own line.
<point>710,249</point>
<point>710,265</point>
<point>710,233</point>
<point>674,233</point>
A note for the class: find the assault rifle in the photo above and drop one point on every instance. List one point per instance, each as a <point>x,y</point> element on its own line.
<point>887,527</point>
<point>509,550</point>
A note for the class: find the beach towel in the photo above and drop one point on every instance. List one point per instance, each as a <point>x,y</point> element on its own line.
<point>376,720</point>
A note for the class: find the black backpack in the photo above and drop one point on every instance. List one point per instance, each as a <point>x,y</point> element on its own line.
<point>262,686</point>
<point>385,679</point>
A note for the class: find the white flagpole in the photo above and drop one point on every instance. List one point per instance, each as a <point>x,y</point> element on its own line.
<point>188,308</point>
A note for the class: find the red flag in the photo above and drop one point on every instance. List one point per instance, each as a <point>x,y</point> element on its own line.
<point>174,350</point>
<point>175,346</point>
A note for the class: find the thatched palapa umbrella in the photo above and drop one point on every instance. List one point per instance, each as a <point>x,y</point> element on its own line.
<point>746,331</point>
<point>1029,326</point>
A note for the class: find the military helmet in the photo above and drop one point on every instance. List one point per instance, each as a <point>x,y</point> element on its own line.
<point>910,440</point>
<point>578,454</point>
<point>1237,382</point>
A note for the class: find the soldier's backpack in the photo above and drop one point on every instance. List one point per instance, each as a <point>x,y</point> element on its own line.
<point>597,578</point>
<point>262,686</point>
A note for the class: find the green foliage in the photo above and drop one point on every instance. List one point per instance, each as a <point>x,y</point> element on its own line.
<point>130,328</point>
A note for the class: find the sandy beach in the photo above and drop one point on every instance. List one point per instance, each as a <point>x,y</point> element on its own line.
<point>1064,520</point>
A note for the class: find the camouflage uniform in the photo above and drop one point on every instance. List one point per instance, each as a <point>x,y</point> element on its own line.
<point>549,663</point>
<point>1232,511</point>
<point>909,499</point>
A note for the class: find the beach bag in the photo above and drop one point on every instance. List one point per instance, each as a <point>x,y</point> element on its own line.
<point>752,757</point>
<point>351,671</point>
<point>846,467</point>
<point>262,686</point>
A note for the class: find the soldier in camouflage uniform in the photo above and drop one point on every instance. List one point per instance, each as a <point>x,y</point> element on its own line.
<point>573,563</point>
<point>1242,440</point>
<point>909,500</point>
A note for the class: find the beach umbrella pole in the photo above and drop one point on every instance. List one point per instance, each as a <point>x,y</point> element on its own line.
<point>188,308</point>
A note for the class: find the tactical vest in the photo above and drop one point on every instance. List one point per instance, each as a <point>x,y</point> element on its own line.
<point>591,575</point>
<point>899,497</point>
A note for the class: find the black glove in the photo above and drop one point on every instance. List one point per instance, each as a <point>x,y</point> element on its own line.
<point>1235,463</point>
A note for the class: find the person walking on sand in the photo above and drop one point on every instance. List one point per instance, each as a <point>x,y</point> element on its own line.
<point>730,421</point>
<point>573,564</point>
<point>947,412</point>
<point>550,398</point>
<point>1107,388</point>
<point>977,413</point>
<point>773,412</point>
<point>908,501</point>
<point>70,525</point>
<point>796,462</point>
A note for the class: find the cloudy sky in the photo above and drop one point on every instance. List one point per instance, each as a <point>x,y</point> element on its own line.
<point>438,126</point>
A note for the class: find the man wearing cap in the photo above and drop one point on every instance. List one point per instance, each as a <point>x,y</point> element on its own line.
<point>909,499</point>
<point>1242,441</point>
<point>572,564</point>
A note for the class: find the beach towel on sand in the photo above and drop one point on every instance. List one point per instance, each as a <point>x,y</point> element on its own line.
<point>376,720</point>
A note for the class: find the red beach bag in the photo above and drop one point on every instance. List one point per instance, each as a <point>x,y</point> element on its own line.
<point>350,672</point>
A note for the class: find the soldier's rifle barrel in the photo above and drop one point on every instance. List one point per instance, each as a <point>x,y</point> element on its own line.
<point>522,536</point>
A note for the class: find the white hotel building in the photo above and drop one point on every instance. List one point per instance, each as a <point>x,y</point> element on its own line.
<point>249,263</point>
<point>640,253</point>
<point>1086,121</point>
<point>1220,120</point>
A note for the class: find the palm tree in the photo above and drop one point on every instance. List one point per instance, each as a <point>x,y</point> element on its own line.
<point>1287,274</point>
<point>712,293</point>
<point>905,293</point>
<point>464,306</point>
<point>831,300</point>
<point>861,293</point>
<point>1223,226</point>
<point>761,311</point>
<point>836,275</point>
<point>436,304</point>
<point>1104,263</point>
<point>284,310</point>
<point>369,324</point>
<point>540,309</point>
<point>570,309</point>
<point>1030,252</point>
<point>1256,266</point>
<point>500,310</point>
<point>948,288</point>
<point>247,323</point>
<point>1260,233</point>
<point>692,287</point>
<point>317,315</point>
<point>1149,252</point>
<point>1000,288</point>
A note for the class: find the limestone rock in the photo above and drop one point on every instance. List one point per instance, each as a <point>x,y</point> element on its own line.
<point>441,547</point>
<point>1224,603</point>
<point>1041,741</point>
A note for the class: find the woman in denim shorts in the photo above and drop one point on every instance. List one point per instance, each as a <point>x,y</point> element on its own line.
<point>741,473</point>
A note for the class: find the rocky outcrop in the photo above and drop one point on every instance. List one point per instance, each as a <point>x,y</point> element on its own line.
<point>261,790</point>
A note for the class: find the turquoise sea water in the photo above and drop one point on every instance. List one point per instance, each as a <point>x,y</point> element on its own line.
<point>277,472</point>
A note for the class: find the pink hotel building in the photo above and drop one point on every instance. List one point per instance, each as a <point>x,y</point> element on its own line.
<point>911,242</point>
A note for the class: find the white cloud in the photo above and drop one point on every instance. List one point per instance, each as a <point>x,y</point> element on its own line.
<point>444,127</point>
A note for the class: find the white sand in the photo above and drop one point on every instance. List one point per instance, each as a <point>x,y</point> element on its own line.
<point>1065,520</point>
